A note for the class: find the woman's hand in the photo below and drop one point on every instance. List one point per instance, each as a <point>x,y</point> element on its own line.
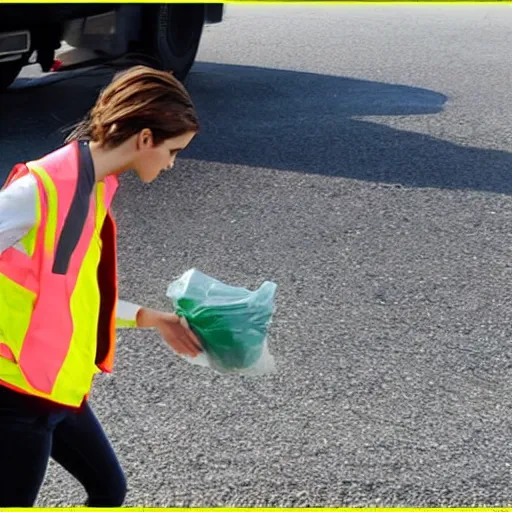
<point>173,329</point>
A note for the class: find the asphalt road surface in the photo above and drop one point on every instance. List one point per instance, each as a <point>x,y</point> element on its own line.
<point>359,157</point>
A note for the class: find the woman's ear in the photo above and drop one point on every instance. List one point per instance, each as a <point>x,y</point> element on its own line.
<point>145,139</point>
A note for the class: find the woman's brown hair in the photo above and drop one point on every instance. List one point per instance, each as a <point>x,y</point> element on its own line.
<point>140,97</point>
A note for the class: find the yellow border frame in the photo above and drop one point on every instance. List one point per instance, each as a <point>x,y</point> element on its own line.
<point>285,2</point>
<point>258,509</point>
<point>274,2</point>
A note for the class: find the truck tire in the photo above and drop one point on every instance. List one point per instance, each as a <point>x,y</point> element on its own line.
<point>172,34</point>
<point>9,71</point>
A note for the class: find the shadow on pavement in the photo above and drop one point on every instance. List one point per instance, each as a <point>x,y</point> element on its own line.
<point>277,119</point>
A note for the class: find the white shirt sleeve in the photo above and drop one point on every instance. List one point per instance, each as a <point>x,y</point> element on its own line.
<point>126,316</point>
<point>18,203</point>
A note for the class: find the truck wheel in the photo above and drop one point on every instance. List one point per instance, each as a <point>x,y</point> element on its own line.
<point>174,34</point>
<point>9,71</point>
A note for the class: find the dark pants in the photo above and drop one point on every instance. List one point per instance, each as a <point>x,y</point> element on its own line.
<point>31,433</point>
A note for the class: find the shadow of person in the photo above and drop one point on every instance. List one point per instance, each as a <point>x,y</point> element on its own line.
<point>308,123</point>
<point>268,118</point>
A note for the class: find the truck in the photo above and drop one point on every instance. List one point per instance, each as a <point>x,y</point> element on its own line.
<point>165,35</point>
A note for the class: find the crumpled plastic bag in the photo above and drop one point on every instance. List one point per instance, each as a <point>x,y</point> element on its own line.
<point>232,323</point>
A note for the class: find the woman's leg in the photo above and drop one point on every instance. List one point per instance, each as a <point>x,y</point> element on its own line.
<point>25,444</point>
<point>82,448</point>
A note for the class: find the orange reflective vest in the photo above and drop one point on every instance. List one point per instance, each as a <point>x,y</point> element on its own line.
<point>57,308</point>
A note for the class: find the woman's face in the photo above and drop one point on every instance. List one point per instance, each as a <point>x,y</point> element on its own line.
<point>151,160</point>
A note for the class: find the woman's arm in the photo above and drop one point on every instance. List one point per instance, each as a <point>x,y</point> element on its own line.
<point>17,210</point>
<point>173,329</point>
<point>18,203</point>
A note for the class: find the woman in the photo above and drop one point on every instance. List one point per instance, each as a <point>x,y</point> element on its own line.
<point>58,285</point>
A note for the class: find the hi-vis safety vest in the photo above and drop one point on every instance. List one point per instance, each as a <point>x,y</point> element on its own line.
<point>57,314</point>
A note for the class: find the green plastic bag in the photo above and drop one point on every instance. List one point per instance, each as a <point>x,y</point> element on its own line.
<point>231,322</point>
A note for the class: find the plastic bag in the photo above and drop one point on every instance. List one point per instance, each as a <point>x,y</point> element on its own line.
<point>231,322</point>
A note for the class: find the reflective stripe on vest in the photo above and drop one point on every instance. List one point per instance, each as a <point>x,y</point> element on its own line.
<point>48,320</point>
